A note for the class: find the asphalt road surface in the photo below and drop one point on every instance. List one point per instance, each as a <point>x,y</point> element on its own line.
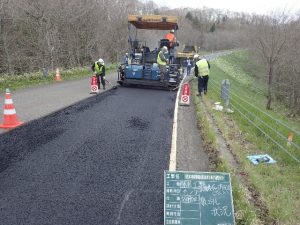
<point>100,161</point>
<point>38,101</point>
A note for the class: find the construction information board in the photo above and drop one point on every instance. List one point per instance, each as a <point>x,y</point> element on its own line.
<point>198,198</point>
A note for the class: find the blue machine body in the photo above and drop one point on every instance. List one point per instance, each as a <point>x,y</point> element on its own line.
<point>134,72</point>
<point>155,72</point>
<point>147,72</point>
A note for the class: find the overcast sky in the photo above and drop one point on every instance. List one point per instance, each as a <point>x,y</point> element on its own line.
<point>250,6</point>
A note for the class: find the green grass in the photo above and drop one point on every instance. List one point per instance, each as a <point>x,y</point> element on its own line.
<point>14,82</point>
<point>278,184</point>
<point>244,212</point>
<point>251,102</point>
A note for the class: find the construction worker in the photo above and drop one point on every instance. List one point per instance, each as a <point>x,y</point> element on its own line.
<point>171,55</point>
<point>162,62</point>
<point>126,58</point>
<point>171,37</point>
<point>202,67</point>
<point>188,66</point>
<point>99,69</point>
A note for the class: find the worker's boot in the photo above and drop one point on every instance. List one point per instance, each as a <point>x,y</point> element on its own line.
<point>103,87</point>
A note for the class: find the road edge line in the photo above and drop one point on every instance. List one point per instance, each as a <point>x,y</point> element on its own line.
<point>172,163</point>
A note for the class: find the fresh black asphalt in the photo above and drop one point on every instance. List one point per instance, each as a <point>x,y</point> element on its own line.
<point>100,161</point>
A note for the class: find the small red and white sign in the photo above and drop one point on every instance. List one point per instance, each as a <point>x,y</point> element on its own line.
<point>94,85</point>
<point>185,96</point>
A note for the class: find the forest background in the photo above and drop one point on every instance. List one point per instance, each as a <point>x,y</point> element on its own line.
<point>36,34</point>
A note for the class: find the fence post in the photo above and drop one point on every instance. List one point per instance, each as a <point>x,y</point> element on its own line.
<point>225,92</point>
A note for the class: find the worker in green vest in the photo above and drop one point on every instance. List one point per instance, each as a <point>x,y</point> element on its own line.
<point>162,62</point>
<point>99,69</point>
<point>202,67</point>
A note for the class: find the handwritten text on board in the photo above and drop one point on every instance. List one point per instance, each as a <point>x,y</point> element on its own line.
<point>198,198</point>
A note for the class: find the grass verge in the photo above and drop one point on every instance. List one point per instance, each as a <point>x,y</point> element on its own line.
<point>276,185</point>
<point>244,212</point>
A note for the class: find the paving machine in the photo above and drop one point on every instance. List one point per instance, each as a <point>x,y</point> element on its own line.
<point>140,67</point>
<point>186,52</point>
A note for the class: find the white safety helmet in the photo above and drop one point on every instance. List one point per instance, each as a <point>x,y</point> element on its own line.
<point>101,61</point>
<point>196,57</point>
<point>172,31</point>
<point>164,49</point>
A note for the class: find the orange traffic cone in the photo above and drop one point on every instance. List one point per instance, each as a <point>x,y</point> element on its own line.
<point>57,75</point>
<point>10,119</point>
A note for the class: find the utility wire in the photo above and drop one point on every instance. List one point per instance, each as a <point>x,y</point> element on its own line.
<point>265,114</point>
<point>264,123</point>
<point>267,135</point>
<point>258,109</point>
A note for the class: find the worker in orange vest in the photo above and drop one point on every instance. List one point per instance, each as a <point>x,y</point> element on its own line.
<point>171,37</point>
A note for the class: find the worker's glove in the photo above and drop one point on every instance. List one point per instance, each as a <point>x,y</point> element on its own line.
<point>104,77</point>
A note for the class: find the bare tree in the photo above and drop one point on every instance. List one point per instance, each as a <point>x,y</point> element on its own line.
<point>270,40</point>
<point>6,40</point>
<point>42,33</point>
<point>287,80</point>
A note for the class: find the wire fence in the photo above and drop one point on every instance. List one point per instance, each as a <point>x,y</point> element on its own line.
<point>277,121</point>
<point>272,128</point>
<point>256,86</point>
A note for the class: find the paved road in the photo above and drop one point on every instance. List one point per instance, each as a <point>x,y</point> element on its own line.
<point>35,102</point>
<point>100,161</point>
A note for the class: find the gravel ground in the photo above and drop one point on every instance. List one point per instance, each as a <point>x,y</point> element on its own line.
<point>190,153</point>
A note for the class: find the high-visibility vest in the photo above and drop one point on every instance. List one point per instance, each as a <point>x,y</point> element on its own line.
<point>203,67</point>
<point>159,61</point>
<point>98,68</point>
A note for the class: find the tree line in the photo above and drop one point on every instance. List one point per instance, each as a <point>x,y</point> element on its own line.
<point>42,33</point>
<point>39,33</point>
<point>273,40</point>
